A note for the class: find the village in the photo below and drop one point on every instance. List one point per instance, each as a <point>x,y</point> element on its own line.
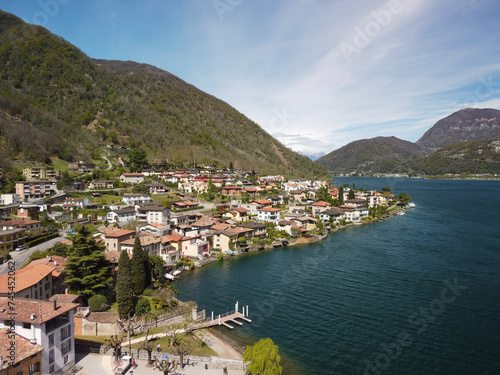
<point>182,218</point>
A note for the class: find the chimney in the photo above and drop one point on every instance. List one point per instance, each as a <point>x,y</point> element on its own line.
<point>55,262</point>
<point>33,316</point>
<point>55,305</point>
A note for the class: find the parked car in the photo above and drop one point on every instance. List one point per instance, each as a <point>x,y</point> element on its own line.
<point>20,248</point>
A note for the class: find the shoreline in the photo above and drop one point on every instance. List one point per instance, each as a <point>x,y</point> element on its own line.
<point>221,344</point>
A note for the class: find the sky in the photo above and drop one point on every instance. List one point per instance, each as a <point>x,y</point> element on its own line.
<point>315,74</point>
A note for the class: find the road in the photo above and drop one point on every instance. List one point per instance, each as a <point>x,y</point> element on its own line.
<point>21,257</point>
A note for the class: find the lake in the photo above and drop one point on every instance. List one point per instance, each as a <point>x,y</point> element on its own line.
<point>418,294</point>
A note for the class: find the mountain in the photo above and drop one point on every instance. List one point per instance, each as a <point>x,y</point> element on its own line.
<point>465,125</point>
<point>471,157</point>
<point>56,101</point>
<point>380,154</point>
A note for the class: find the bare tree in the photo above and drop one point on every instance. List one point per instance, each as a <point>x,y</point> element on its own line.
<point>165,366</point>
<point>181,350</point>
<point>148,345</point>
<point>115,342</point>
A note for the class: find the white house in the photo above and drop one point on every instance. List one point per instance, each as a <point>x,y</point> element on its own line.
<point>121,216</point>
<point>151,213</point>
<point>78,202</point>
<point>9,199</point>
<point>269,214</point>
<point>131,199</point>
<point>132,178</point>
<point>46,323</point>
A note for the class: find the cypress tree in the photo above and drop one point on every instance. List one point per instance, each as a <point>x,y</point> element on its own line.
<point>138,268</point>
<point>147,269</point>
<point>124,287</point>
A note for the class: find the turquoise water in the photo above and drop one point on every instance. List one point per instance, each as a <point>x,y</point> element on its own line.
<point>418,294</point>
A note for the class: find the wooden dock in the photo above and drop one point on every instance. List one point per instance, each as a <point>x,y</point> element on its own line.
<point>224,320</point>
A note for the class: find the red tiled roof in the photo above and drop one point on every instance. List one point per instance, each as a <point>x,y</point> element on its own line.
<point>133,174</point>
<point>41,311</point>
<point>15,222</point>
<point>120,233</point>
<point>50,261</point>
<point>269,209</point>
<point>25,277</point>
<point>24,348</point>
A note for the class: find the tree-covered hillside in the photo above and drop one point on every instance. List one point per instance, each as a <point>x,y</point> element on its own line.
<point>56,101</point>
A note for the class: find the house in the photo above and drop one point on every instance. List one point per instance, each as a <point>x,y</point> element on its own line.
<point>195,247</point>
<point>169,254</point>
<point>6,199</point>
<point>132,178</point>
<point>26,224</point>
<point>355,203</point>
<point>333,215</point>
<point>153,213</point>
<point>57,263</point>
<point>45,323</point>
<point>286,226</point>
<point>356,214</point>
<point>12,238</point>
<point>30,282</point>
<point>78,202</point>
<point>319,207</point>
<point>185,205</point>
<point>114,239</point>
<point>156,188</point>
<point>307,222</point>
<point>155,228</point>
<point>277,199</point>
<point>269,214</point>
<point>29,210</point>
<point>237,214</point>
<point>121,216</point>
<point>35,189</point>
<point>262,203</point>
<point>203,224</point>
<point>101,184</point>
<point>82,167</point>
<point>231,190</point>
<point>40,173</point>
<point>377,200</point>
<point>259,229</point>
<point>298,195</point>
<point>149,242</point>
<point>227,239</point>
<point>131,199</point>
<point>25,359</point>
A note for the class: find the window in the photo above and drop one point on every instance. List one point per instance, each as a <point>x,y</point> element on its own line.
<point>66,347</point>
<point>47,286</point>
<point>51,340</point>
<point>65,332</point>
<point>27,325</point>
<point>34,368</point>
<point>51,356</point>
<point>66,358</point>
<point>51,369</point>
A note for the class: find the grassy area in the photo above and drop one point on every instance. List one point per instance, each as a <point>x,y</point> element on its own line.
<point>107,199</point>
<point>92,339</point>
<point>198,347</point>
<point>162,198</point>
<point>59,164</point>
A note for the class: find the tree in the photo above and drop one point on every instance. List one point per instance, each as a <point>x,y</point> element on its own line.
<point>181,350</point>
<point>64,180</point>
<point>115,342</point>
<point>140,188</point>
<point>98,302</point>
<point>60,249</point>
<point>147,269</point>
<point>143,306</point>
<point>351,194</point>
<point>87,270</point>
<point>263,358</point>
<point>341,195</point>
<point>148,343</point>
<point>138,268</point>
<point>165,366</point>
<point>210,189</point>
<point>156,265</point>
<point>124,287</point>
<point>138,159</point>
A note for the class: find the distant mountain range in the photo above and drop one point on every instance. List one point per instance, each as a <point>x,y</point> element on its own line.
<point>466,142</point>
<point>56,101</point>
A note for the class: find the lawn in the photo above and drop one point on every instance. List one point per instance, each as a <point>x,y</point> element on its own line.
<point>59,164</point>
<point>199,348</point>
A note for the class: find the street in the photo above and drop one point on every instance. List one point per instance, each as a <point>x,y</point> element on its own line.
<point>21,257</point>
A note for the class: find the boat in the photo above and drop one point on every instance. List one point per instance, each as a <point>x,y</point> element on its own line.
<point>411,205</point>
<point>400,213</point>
<point>176,272</point>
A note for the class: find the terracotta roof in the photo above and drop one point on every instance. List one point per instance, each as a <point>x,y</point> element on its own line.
<point>145,240</point>
<point>204,221</point>
<point>120,233</point>
<point>241,210</point>
<point>41,311</point>
<point>24,348</point>
<point>26,277</point>
<point>285,222</point>
<point>174,238</point>
<point>321,204</point>
<point>15,222</point>
<point>132,195</point>
<point>65,298</point>
<point>133,174</point>
<point>269,209</point>
<point>103,317</point>
<point>235,231</point>
<point>50,261</point>
<point>221,226</point>
<point>253,225</point>
<point>114,256</point>
<point>157,225</point>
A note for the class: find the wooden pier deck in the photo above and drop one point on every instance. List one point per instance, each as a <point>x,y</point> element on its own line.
<point>225,320</point>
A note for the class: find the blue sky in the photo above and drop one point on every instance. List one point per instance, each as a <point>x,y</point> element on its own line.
<point>317,74</point>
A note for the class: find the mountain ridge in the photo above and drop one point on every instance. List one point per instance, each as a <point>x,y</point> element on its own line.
<point>75,105</point>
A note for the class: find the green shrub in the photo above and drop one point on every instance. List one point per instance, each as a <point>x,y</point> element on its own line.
<point>98,302</point>
<point>143,306</point>
<point>148,292</point>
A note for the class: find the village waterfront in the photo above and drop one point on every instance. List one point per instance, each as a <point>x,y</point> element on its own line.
<point>415,294</point>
